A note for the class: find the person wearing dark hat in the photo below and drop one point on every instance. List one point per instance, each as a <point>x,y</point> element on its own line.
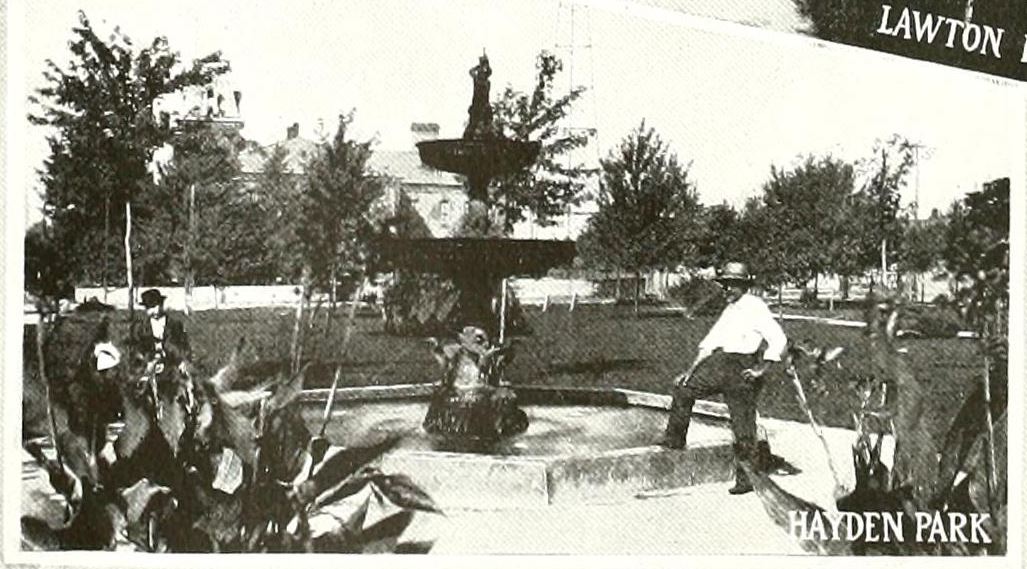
<point>730,362</point>
<point>160,338</point>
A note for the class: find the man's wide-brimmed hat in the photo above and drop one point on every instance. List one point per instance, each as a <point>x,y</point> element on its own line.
<point>152,297</point>
<point>733,272</point>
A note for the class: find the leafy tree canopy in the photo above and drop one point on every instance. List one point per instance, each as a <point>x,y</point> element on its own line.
<point>337,208</point>
<point>648,208</point>
<point>103,133</point>
<point>555,181</point>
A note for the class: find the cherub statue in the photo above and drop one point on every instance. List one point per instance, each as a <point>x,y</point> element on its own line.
<point>470,362</point>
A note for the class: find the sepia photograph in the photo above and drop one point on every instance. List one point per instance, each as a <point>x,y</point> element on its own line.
<point>551,277</point>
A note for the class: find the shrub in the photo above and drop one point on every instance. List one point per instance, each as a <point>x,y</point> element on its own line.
<point>931,322</point>
<point>702,297</point>
<point>808,298</point>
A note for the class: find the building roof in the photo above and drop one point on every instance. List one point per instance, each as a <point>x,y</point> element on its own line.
<point>297,152</point>
<point>406,166</point>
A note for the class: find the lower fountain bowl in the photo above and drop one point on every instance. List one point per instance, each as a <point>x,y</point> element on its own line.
<point>580,446</point>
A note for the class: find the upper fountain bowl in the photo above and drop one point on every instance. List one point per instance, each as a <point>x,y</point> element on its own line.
<point>479,157</point>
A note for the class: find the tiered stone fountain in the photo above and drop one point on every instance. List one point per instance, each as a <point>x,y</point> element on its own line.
<point>470,401</point>
<point>466,439</point>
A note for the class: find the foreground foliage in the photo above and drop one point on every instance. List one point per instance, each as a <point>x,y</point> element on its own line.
<point>205,465</point>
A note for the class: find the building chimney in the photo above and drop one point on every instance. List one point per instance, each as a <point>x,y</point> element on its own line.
<point>293,131</point>
<point>423,131</point>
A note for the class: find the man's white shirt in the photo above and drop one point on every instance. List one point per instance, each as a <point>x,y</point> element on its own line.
<point>742,327</point>
<point>157,328</point>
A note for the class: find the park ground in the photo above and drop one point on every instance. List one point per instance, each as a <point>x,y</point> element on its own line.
<point>592,346</point>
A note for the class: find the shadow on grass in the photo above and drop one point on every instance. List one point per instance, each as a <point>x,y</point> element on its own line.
<point>597,366</point>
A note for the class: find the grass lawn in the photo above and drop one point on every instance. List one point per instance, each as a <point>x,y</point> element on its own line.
<point>596,345</point>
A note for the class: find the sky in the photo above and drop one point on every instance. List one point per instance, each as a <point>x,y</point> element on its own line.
<point>729,99</point>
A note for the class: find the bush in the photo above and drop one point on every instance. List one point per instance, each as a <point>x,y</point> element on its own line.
<point>941,300</point>
<point>702,297</point>
<point>931,322</point>
<point>808,298</point>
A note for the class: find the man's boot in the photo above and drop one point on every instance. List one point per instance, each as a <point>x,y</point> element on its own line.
<point>743,453</point>
<point>678,421</point>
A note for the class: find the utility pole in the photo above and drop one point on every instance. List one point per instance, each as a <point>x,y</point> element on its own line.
<point>190,233</point>
<point>573,17</point>
<point>106,239</point>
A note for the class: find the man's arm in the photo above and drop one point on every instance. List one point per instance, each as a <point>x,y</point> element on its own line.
<point>771,330</point>
<point>707,346</point>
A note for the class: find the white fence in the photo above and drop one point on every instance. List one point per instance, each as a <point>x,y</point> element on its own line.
<point>536,291</point>
<point>203,297</point>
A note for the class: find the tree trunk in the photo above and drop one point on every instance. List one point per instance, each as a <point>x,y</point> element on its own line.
<point>617,291</point>
<point>816,286</point>
<point>190,275</point>
<point>128,258</point>
<point>296,351</point>
<point>884,262</point>
<point>333,283</point>
<point>638,282</point>
<point>106,236</point>
<point>843,284</point>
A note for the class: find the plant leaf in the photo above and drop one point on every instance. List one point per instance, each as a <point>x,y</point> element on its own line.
<point>171,421</point>
<point>242,398</point>
<point>383,536</point>
<point>137,424</point>
<point>288,391</point>
<point>339,466</point>
<point>348,487</point>
<point>37,535</point>
<point>402,491</point>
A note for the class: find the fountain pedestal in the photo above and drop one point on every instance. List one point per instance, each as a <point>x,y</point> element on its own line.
<point>476,412</point>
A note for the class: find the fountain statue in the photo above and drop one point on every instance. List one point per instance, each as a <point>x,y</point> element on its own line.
<point>479,124</point>
<point>471,400</point>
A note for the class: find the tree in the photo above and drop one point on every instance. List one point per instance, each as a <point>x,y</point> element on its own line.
<point>886,171</point>
<point>792,231</point>
<point>721,238</point>
<point>553,182</point>
<point>281,196</point>
<point>43,260</point>
<point>336,221</point>
<point>977,255</point>
<point>845,21</point>
<point>201,225</point>
<point>104,134</point>
<point>923,246</point>
<point>645,202</point>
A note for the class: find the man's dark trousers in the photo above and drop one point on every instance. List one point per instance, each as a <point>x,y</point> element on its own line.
<point>720,373</point>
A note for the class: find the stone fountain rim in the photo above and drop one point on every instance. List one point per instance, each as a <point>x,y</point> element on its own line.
<point>595,396</point>
<point>565,396</point>
<point>517,482</point>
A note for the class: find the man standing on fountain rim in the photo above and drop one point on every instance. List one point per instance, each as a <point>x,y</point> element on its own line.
<point>729,362</point>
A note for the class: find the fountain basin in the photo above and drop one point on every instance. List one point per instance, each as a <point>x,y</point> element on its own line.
<point>484,158</point>
<point>582,446</point>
